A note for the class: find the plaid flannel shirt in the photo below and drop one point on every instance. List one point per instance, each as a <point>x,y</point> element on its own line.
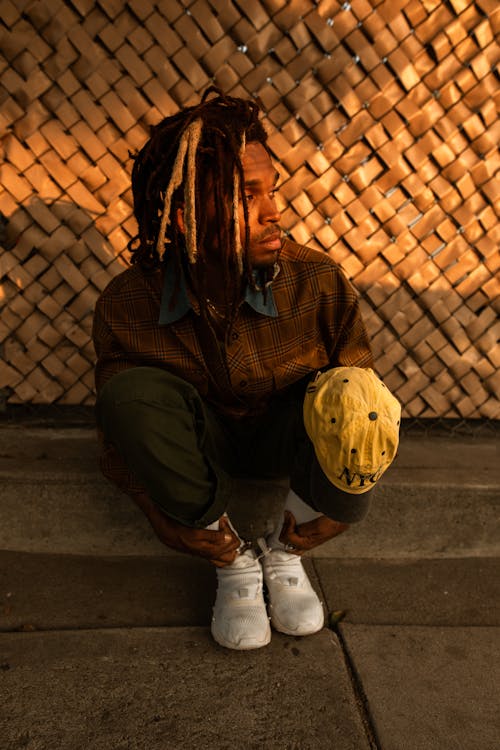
<point>309,321</point>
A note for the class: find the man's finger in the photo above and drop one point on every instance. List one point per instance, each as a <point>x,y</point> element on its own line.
<point>290,533</point>
<point>219,544</point>
<point>212,536</point>
<point>299,542</point>
<point>221,562</point>
<point>225,527</point>
<point>288,526</point>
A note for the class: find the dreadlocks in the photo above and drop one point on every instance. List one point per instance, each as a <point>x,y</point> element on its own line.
<point>190,155</point>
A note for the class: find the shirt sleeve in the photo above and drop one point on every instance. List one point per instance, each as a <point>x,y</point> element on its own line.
<point>349,345</point>
<point>111,358</point>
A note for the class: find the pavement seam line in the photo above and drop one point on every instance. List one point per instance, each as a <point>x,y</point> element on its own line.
<point>354,679</point>
<point>359,693</point>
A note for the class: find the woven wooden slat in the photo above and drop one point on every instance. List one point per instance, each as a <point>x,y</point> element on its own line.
<point>383,118</point>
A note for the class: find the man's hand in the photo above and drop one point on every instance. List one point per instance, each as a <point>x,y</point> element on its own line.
<point>219,547</point>
<point>308,535</point>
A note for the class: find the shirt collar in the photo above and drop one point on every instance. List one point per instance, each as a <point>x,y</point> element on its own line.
<point>182,304</point>
<point>265,305</point>
<point>256,296</point>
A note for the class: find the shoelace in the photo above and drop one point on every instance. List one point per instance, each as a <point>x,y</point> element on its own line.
<point>265,549</point>
<point>261,542</point>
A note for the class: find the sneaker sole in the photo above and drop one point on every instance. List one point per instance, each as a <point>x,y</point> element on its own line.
<point>282,629</point>
<point>245,644</point>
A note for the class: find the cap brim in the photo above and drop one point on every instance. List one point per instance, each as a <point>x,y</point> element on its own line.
<point>341,506</point>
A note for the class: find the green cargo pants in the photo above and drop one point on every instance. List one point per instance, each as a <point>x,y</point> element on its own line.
<point>185,454</point>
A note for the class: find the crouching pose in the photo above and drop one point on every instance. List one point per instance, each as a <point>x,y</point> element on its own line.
<point>226,350</point>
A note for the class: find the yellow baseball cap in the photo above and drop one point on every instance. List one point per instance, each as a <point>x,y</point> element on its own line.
<point>353,420</point>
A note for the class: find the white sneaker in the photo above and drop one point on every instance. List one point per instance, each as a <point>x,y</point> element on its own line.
<point>294,606</point>
<point>240,619</point>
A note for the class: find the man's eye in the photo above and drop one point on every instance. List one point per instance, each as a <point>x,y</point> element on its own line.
<point>249,198</point>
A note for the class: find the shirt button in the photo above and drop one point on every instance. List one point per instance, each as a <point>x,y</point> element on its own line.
<point>243,383</point>
<point>235,336</point>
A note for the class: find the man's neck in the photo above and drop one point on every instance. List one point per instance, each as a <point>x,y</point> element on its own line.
<point>212,287</point>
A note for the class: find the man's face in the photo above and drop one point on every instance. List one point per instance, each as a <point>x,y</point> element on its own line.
<point>259,186</point>
<point>260,177</point>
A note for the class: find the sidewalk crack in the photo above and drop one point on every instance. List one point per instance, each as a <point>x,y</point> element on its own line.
<point>354,678</point>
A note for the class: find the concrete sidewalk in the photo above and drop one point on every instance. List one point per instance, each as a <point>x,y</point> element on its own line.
<point>105,644</point>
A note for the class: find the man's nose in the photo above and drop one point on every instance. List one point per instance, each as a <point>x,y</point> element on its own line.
<point>269,212</point>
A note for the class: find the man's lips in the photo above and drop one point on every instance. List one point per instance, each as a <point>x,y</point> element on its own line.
<point>271,240</point>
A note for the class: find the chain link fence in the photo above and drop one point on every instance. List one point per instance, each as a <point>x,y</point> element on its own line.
<point>58,416</point>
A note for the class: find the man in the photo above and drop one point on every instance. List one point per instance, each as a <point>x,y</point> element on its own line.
<point>205,347</point>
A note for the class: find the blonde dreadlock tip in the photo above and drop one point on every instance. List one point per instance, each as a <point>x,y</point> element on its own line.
<point>190,135</point>
<point>194,136</point>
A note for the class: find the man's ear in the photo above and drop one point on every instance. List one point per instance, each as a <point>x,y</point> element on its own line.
<point>179,215</point>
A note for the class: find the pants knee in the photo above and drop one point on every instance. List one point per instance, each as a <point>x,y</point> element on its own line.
<point>133,400</point>
<point>145,384</point>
